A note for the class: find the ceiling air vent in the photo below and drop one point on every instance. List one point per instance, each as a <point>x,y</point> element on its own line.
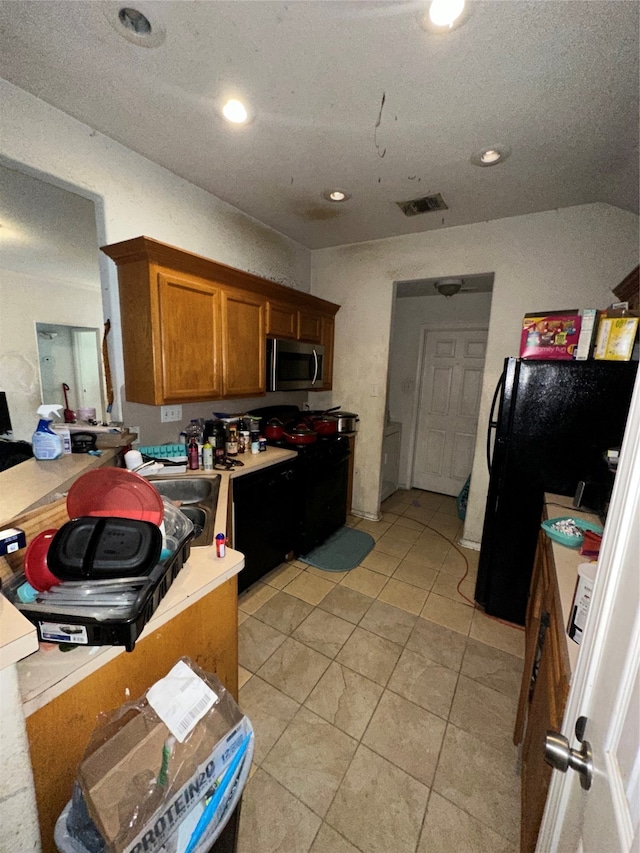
<point>422,205</point>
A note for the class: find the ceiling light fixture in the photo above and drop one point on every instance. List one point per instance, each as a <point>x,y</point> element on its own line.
<point>444,13</point>
<point>336,195</point>
<point>135,21</point>
<point>235,111</point>
<point>449,286</point>
<point>141,26</point>
<point>443,16</point>
<point>490,155</point>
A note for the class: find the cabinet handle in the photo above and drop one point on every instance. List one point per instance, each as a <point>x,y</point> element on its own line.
<point>315,373</point>
<point>545,621</point>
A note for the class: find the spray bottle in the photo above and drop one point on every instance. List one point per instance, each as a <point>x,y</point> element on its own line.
<point>46,443</point>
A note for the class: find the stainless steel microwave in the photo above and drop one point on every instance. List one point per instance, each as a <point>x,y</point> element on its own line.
<point>294,366</point>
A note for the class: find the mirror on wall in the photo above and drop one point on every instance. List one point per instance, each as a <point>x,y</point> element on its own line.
<point>49,284</point>
<point>69,359</point>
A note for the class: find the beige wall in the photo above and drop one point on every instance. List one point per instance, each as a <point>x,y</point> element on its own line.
<point>557,259</point>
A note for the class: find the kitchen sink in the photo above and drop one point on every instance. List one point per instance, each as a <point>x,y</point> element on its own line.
<point>197,498</point>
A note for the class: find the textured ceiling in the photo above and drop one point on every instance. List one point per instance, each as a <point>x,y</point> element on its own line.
<point>557,82</point>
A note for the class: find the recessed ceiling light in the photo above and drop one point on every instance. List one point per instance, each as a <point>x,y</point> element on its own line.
<point>134,21</point>
<point>138,25</point>
<point>490,155</point>
<point>336,195</point>
<point>444,15</point>
<point>235,111</point>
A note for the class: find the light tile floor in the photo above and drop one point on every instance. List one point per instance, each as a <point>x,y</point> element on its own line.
<point>383,702</point>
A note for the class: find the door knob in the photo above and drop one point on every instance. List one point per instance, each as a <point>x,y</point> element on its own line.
<point>559,755</point>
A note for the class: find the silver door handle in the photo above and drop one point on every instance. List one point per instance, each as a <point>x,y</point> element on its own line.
<point>315,374</point>
<point>559,755</point>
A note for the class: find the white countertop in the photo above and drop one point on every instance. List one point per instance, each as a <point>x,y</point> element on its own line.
<point>36,482</point>
<point>202,573</point>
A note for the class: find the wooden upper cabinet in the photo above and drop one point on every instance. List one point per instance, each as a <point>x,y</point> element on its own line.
<point>243,347</point>
<point>190,325</point>
<point>310,327</point>
<point>282,320</point>
<point>326,339</point>
<point>195,330</point>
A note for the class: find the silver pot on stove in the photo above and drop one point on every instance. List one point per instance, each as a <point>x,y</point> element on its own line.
<point>347,421</point>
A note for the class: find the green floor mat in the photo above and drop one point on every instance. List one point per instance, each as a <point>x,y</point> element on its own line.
<point>342,551</point>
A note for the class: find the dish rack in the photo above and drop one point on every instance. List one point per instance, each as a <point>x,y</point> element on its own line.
<point>102,625</point>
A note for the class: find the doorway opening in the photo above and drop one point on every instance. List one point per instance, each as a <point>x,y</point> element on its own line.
<point>421,313</point>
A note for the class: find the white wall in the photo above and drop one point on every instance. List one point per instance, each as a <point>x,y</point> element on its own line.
<point>23,304</point>
<point>18,813</point>
<point>557,259</point>
<point>410,315</point>
<point>135,196</point>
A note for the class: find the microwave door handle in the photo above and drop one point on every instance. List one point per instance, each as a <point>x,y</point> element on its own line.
<point>272,365</point>
<point>315,370</point>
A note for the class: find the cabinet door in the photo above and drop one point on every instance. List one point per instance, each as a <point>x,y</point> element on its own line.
<point>309,326</point>
<point>326,339</point>
<point>282,320</point>
<point>58,733</point>
<point>189,355</point>
<point>244,344</point>
<point>548,698</point>
<point>539,583</point>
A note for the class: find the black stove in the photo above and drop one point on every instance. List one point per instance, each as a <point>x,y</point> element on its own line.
<point>322,470</point>
<point>325,446</point>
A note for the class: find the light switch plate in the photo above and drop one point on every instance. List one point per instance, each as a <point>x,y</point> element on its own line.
<point>168,414</point>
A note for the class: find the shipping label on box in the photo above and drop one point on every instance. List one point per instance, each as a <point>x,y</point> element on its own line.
<point>551,336</point>
<point>140,783</point>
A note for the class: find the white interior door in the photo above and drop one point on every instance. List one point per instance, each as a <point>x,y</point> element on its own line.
<point>606,686</point>
<point>449,400</point>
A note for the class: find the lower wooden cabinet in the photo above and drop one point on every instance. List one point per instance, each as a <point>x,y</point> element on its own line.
<point>543,692</point>
<point>59,732</point>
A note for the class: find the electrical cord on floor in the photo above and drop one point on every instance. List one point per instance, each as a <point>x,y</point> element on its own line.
<point>462,579</point>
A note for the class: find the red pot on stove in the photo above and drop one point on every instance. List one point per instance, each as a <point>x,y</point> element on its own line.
<point>325,425</point>
<point>300,434</point>
<point>274,430</point>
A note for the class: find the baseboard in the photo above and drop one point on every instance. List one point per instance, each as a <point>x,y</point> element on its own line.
<point>469,543</point>
<point>370,516</point>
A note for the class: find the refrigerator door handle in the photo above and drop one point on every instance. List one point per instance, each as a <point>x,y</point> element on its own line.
<point>493,423</point>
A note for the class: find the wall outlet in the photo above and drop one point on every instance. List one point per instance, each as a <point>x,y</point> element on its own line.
<point>168,414</point>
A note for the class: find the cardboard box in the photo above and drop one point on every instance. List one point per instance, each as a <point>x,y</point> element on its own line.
<point>588,329</point>
<point>119,774</point>
<point>615,339</point>
<point>554,335</point>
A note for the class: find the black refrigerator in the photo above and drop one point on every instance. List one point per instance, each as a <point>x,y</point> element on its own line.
<point>554,422</point>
